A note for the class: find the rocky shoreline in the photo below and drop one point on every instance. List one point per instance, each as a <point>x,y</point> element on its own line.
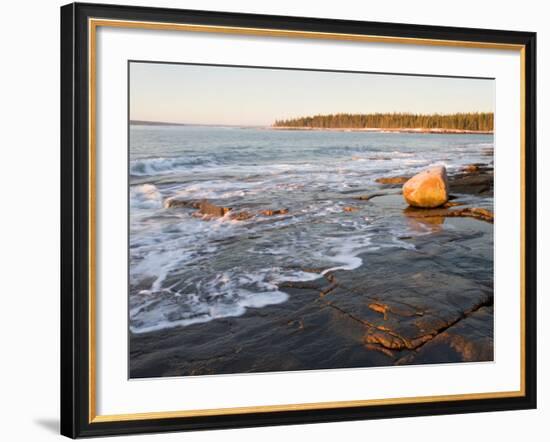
<point>474,179</point>
<point>431,302</point>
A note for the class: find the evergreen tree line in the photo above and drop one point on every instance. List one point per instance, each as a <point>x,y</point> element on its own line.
<point>482,121</point>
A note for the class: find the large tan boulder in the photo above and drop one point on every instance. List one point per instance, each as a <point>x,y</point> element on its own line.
<point>427,189</point>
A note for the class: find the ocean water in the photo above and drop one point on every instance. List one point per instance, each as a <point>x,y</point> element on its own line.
<point>186,270</point>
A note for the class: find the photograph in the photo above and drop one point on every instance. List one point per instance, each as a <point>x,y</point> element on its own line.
<point>275,221</point>
<point>284,219</point>
<point>278,218</point>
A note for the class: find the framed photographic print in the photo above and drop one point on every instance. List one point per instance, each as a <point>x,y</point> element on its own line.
<point>274,220</point>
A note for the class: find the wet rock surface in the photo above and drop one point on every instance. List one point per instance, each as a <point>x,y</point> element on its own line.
<point>474,179</point>
<point>429,301</point>
<point>175,203</point>
<point>369,196</point>
<point>350,209</point>
<point>469,340</point>
<point>207,208</point>
<point>394,180</point>
<point>472,212</point>
<point>273,212</point>
<point>476,183</point>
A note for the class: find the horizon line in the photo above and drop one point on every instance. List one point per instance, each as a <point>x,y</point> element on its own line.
<point>174,123</point>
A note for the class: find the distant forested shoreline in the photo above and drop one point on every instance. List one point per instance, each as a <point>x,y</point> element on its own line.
<point>475,121</point>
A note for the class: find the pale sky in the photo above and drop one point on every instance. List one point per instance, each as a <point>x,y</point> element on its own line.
<point>191,94</point>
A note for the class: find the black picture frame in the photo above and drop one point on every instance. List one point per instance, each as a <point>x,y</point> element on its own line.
<point>75,221</point>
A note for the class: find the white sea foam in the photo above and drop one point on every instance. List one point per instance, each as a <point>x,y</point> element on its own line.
<point>346,253</point>
<point>228,294</point>
<point>145,196</point>
<point>164,166</point>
